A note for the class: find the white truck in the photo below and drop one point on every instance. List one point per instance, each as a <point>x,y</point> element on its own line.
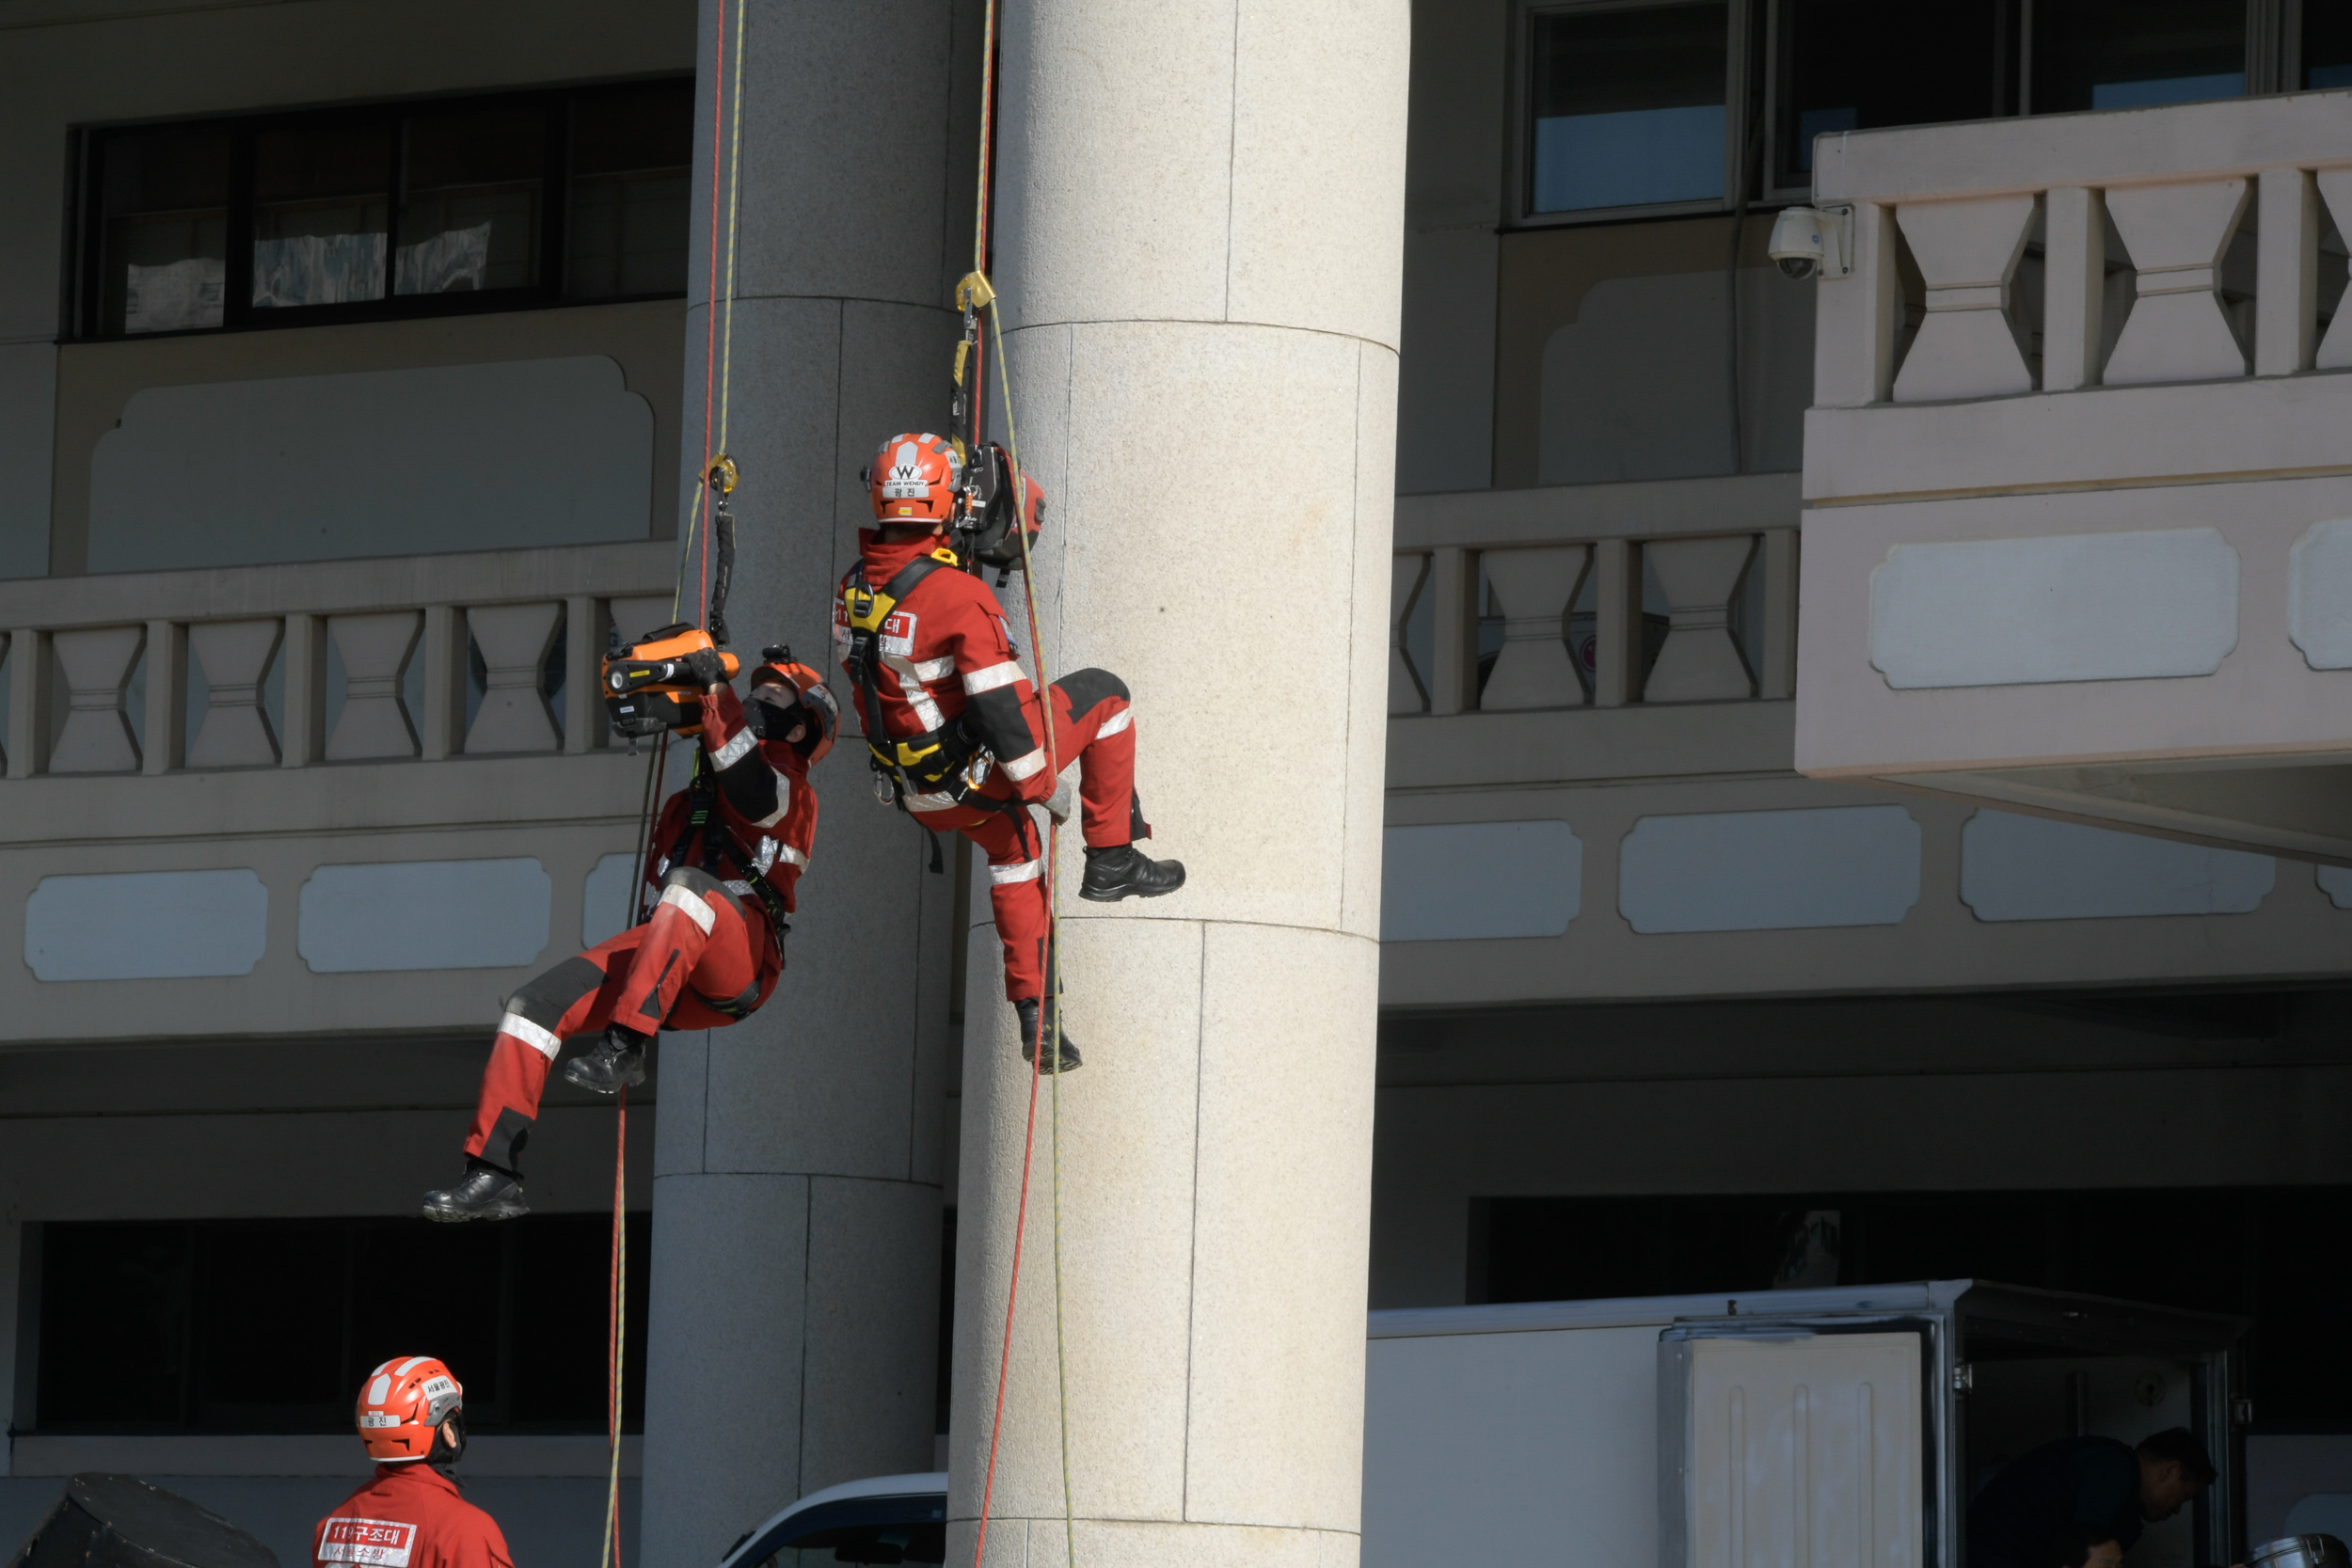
<point>1838,1428</point>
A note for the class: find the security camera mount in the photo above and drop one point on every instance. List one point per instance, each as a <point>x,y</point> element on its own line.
<point>1814,241</point>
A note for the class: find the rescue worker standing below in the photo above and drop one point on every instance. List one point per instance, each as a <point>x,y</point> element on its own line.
<point>953,720</point>
<point>722,863</point>
<point>410,1515</point>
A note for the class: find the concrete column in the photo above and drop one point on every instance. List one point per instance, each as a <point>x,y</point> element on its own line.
<point>793,1337</point>
<point>1199,253</point>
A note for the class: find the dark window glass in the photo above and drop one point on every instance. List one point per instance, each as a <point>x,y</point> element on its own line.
<point>470,200</point>
<point>2326,44</point>
<point>2267,1253</point>
<point>527,199</point>
<point>322,194</point>
<point>2130,54</point>
<point>114,1342</point>
<point>1854,65</point>
<point>632,152</point>
<point>162,239</point>
<point>270,1326</point>
<point>1627,106</point>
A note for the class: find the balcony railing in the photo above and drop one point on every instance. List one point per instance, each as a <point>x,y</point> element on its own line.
<point>413,657</point>
<point>1593,623</point>
<point>2188,244</point>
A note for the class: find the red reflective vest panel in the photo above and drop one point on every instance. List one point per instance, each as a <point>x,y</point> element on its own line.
<point>409,1516</point>
<point>946,649</point>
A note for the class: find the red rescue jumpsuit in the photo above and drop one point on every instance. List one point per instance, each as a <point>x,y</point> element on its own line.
<point>707,946</point>
<point>409,1516</point>
<point>948,652</point>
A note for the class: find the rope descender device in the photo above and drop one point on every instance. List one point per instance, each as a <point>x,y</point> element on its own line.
<point>721,477</point>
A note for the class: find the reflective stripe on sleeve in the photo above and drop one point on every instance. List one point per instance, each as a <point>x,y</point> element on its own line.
<point>696,910</point>
<point>1116,723</point>
<point>790,855</point>
<point>1025,872</point>
<point>734,751</point>
<point>933,669</point>
<point>539,1040</point>
<point>784,803</point>
<point>1022,767</point>
<point>978,681</point>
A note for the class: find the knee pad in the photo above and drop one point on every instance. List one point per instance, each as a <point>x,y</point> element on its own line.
<point>696,881</point>
<point>1084,688</point>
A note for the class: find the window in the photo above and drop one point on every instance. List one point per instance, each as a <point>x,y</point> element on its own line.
<point>376,212</point>
<point>2131,54</point>
<point>1649,108</point>
<point>1855,65</point>
<point>268,1325</point>
<point>2326,46</point>
<point>1627,105</point>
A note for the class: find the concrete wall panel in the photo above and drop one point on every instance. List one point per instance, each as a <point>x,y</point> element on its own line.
<point>150,925</point>
<point>459,457</point>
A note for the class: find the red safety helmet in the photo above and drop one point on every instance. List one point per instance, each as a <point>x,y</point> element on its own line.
<point>402,1407</point>
<point>914,478</point>
<point>810,701</point>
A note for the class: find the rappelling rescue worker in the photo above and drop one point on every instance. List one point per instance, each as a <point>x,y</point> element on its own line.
<point>955,728</point>
<point>720,872</point>
<point>410,1515</point>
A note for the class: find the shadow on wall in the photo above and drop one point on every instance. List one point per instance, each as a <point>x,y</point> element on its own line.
<point>1636,387</point>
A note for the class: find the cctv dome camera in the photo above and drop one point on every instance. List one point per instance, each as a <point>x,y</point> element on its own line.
<point>1799,241</point>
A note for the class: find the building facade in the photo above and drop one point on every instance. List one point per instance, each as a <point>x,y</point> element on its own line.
<point>1858,798</point>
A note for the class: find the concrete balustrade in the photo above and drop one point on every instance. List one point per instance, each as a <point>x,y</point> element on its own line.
<point>515,641</point>
<point>1706,656</point>
<point>235,655</point>
<point>2140,222</point>
<point>260,636</point>
<point>1534,589</point>
<point>97,736</point>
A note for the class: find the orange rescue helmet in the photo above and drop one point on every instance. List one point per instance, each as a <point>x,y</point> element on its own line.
<point>402,1406</point>
<point>807,701</point>
<point>913,479</point>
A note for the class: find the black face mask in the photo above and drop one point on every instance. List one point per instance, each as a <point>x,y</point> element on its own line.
<point>773,710</point>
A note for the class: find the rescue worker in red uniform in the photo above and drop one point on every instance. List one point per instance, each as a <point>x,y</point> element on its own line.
<point>410,1515</point>
<point>961,727</point>
<point>721,869</point>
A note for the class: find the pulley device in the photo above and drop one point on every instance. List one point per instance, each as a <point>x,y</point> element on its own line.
<point>995,493</point>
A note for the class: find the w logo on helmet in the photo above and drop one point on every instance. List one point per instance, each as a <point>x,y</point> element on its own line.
<point>914,477</point>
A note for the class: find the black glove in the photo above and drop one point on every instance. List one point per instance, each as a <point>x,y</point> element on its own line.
<point>704,666</point>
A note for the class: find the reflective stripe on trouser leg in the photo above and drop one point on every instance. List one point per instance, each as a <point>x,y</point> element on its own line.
<point>1095,728</point>
<point>562,1002</point>
<point>1016,895</point>
<point>698,936</point>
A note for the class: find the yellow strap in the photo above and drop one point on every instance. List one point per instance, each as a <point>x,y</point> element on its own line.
<point>972,293</point>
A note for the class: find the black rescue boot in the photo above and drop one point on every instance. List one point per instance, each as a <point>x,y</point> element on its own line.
<point>614,1063</point>
<point>1069,1058</point>
<point>486,1193</point>
<point>1123,871</point>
